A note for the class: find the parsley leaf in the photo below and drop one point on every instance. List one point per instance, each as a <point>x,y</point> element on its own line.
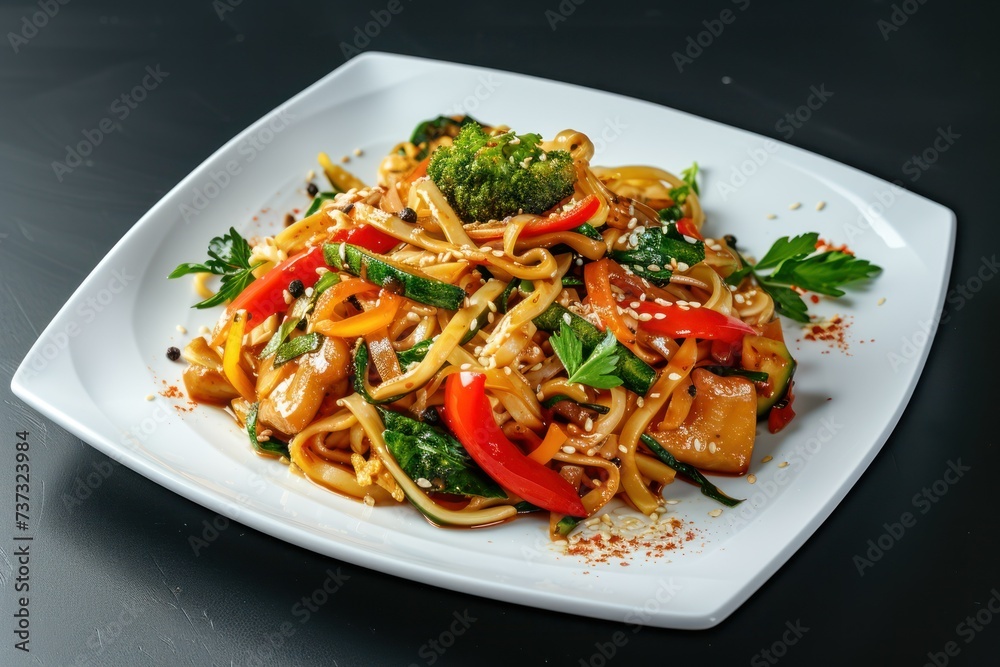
<point>681,192</point>
<point>598,369</point>
<point>229,257</point>
<point>796,262</point>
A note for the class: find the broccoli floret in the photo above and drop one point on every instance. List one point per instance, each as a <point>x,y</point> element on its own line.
<point>489,178</point>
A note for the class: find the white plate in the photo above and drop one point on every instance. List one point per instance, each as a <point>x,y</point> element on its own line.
<point>104,352</point>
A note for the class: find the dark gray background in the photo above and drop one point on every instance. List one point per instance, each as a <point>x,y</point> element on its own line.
<point>114,579</point>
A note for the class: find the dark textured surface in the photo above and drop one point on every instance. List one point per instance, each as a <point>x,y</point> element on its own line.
<point>114,579</point>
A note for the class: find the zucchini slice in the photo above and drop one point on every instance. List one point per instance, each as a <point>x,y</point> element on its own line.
<point>772,357</point>
<point>406,281</point>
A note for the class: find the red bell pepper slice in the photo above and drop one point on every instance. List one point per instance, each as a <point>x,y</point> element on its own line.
<point>687,322</point>
<point>368,237</point>
<point>557,222</point>
<point>686,227</point>
<point>265,296</point>
<point>468,414</point>
<point>782,413</point>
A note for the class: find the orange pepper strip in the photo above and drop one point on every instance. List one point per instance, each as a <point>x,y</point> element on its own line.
<point>361,325</point>
<point>597,276</point>
<point>419,171</point>
<point>554,439</point>
<point>231,358</point>
<point>337,294</point>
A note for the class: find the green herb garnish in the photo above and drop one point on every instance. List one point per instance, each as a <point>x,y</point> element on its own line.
<point>229,257</point>
<point>598,369</point>
<point>795,261</point>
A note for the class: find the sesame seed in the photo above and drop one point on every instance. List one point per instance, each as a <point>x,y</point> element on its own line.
<point>640,401</point>
<point>795,206</point>
<point>567,319</point>
<point>698,445</point>
<point>204,330</point>
<point>674,376</point>
<point>681,266</point>
<point>820,205</point>
<point>181,329</point>
<point>424,483</point>
<point>632,223</point>
<point>881,301</point>
<point>345,159</point>
<point>739,298</point>
<point>783,464</point>
<point>623,449</point>
<point>149,397</point>
<point>568,450</point>
<point>588,425</point>
<point>712,447</point>
<point>752,478</point>
<point>653,267</point>
<point>644,317</point>
<point>369,501</point>
<point>498,253</point>
<point>694,304</point>
<point>771,216</point>
<point>767,458</point>
<point>715,513</point>
<point>690,239</point>
<point>659,316</point>
<point>465,367</point>
<point>358,152</point>
<point>672,502</point>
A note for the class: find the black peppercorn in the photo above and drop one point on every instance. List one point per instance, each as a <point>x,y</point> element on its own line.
<point>312,189</point>
<point>173,354</point>
<point>730,240</point>
<point>407,215</point>
<point>296,288</point>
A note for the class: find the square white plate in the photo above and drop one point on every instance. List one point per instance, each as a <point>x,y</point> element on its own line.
<point>104,352</point>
